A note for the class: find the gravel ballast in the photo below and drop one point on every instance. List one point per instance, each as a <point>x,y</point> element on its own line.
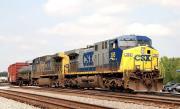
<point>106,103</point>
<point>11,104</point>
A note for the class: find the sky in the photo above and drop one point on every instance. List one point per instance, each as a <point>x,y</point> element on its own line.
<point>32,28</point>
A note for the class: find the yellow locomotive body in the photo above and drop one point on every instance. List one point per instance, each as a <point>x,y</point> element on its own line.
<point>140,68</point>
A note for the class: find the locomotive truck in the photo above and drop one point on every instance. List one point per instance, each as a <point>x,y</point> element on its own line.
<point>125,62</point>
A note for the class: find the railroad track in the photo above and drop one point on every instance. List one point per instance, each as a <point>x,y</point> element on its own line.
<point>47,102</point>
<point>165,94</point>
<point>142,97</point>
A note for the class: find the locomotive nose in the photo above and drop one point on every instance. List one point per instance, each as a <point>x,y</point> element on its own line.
<point>142,68</point>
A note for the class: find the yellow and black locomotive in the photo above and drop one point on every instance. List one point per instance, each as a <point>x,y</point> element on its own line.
<point>125,62</point>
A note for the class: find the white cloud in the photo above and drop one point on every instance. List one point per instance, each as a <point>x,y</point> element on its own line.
<point>76,8</point>
<point>97,18</point>
<point>87,21</point>
<point>113,9</point>
<point>63,7</point>
<point>106,30</point>
<point>90,25</point>
<point>169,3</point>
<point>87,29</point>
<point>6,39</point>
<point>148,29</point>
<point>23,43</point>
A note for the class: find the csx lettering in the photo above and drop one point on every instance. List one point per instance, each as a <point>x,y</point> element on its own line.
<point>142,58</point>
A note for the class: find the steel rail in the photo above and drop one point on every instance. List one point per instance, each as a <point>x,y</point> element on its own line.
<point>46,101</point>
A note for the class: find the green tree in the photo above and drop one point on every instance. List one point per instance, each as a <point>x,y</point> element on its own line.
<point>168,67</point>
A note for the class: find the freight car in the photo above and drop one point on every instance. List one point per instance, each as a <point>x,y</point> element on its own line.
<point>24,75</point>
<point>13,70</point>
<point>126,62</point>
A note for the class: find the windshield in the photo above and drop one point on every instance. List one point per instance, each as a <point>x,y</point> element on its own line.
<point>143,40</point>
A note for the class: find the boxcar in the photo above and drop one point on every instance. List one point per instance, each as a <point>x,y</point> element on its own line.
<point>13,70</point>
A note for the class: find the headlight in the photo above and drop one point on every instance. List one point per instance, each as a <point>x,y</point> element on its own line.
<point>137,67</point>
<point>155,67</point>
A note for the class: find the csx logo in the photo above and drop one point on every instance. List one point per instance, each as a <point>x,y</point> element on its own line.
<point>142,58</point>
<point>87,59</point>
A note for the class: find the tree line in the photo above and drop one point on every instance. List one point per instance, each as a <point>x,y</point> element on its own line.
<point>3,74</point>
<point>168,67</point>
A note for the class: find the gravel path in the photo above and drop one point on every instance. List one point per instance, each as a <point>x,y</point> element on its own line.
<point>107,103</point>
<point>11,104</point>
